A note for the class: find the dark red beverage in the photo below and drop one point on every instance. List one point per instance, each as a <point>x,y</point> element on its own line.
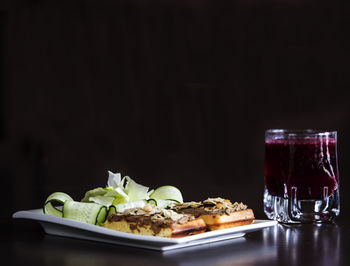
<point>301,167</point>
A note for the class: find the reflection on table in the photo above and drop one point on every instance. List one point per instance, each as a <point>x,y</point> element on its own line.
<point>319,243</point>
<point>278,245</point>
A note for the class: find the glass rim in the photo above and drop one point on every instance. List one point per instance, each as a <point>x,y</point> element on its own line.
<point>300,132</point>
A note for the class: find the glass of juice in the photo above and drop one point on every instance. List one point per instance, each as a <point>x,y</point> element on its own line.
<point>301,176</point>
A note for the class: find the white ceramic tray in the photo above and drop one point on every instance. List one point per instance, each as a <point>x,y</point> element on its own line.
<point>70,228</point>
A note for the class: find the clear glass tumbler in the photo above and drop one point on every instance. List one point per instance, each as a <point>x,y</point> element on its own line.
<point>301,176</point>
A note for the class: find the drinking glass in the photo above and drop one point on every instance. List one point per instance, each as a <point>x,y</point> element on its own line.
<point>301,176</point>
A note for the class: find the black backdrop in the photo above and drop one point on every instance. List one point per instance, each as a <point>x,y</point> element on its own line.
<point>167,92</point>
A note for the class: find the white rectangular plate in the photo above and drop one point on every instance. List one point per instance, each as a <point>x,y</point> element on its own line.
<point>69,228</point>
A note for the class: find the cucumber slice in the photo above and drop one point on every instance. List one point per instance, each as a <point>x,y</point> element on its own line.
<point>91,213</point>
<point>101,217</point>
<point>152,201</point>
<point>162,204</point>
<point>130,205</point>
<point>57,197</point>
<point>111,210</point>
<point>174,201</point>
<point>167,193</point>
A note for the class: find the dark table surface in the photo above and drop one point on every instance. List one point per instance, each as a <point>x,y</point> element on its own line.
<point>25,243</point>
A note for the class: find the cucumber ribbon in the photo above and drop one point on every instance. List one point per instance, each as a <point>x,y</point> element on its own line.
<point>118,196</point>
<point>91,213</point>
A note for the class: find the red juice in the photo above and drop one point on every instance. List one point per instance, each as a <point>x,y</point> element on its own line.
<point>306,168</point>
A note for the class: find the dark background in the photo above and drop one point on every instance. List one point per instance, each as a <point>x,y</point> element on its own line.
<point>167,92</point>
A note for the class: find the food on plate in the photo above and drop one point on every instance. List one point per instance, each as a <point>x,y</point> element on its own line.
<point>181,219</point>
<point>118,196</point>
<point>150,220</point>
<point>127,206</point>
<point>217,213</point>
<point>124,190</point>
